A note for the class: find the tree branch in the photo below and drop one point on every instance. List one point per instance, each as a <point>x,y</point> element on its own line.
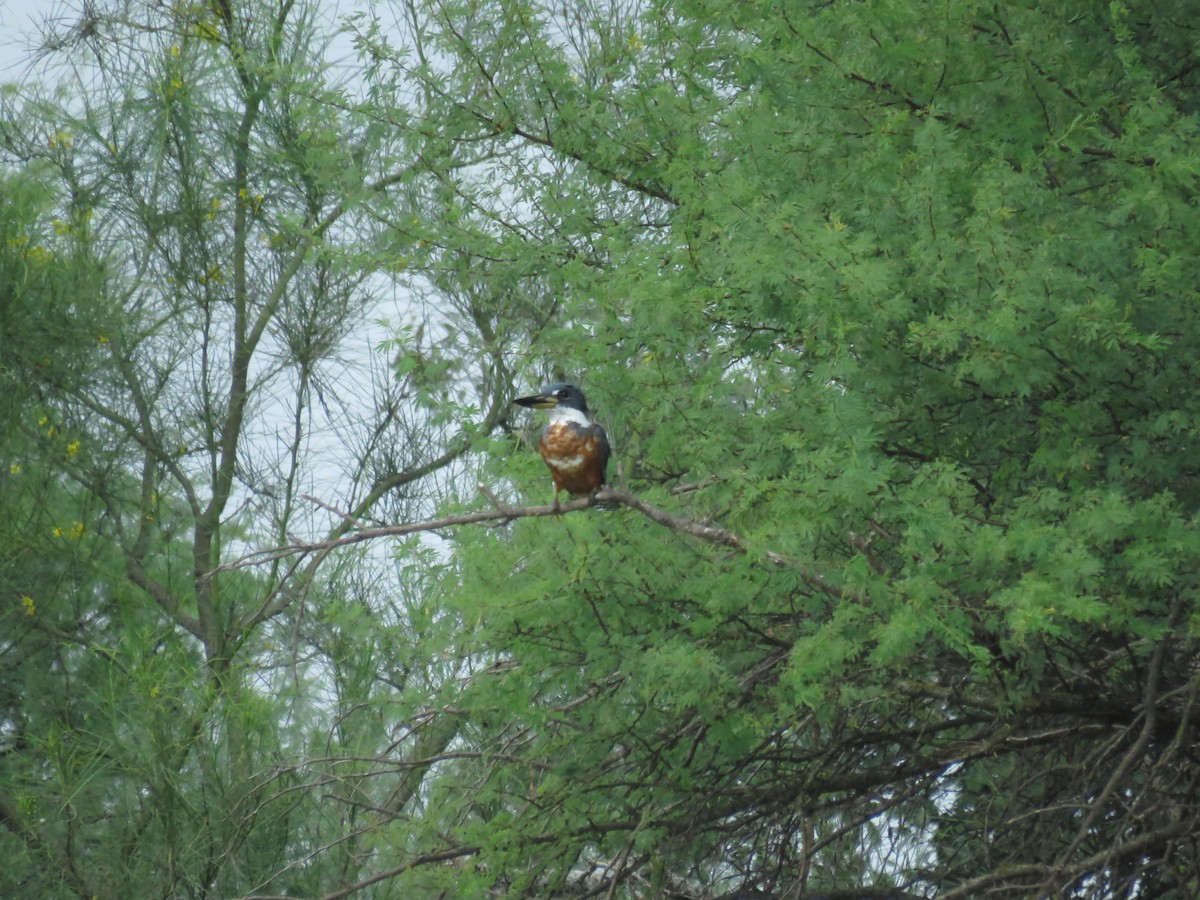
<point>1063,874</point>
<point>504,514</point>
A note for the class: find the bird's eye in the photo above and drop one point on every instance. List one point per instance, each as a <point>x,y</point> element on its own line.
<point>561,393</point>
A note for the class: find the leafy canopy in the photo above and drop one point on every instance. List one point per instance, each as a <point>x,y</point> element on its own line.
<point>895,301</point>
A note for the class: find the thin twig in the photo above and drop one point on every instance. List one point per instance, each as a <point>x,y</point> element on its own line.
<point>340,513</point>
<point>492,496</point>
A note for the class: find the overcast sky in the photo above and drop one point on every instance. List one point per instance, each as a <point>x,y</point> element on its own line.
<point>22,23</point>
<point>19,32</point>
<point>21,28</point>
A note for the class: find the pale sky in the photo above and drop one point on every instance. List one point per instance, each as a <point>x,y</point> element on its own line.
<point>19,32</point>
<point>22,25</point>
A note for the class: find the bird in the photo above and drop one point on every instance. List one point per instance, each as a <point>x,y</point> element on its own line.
<point>575,448</point>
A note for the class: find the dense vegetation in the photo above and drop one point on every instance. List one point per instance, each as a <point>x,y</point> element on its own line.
<point>890,310</point>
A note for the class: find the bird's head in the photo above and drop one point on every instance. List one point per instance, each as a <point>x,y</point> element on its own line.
<point>563,397</point>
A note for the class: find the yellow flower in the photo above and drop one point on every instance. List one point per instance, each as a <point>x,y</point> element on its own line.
<point>103,339</point>
<point>30,606</point>
<point>154,692</point>
<point>72,448</point>
<point>56,531</point>
<point>43,420</point>
<point>14,469</point>
<point>76,531</point>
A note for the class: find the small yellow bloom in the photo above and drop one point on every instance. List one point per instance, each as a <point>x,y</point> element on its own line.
<point>56,531</point>
<point>103,339</point>
<point>154,692</point>
<point>175,50</point>
<point>43,420</point>
<point>30,606</point>
<point>14,469</point>
<point>76,531</point>
<point>73,448</point>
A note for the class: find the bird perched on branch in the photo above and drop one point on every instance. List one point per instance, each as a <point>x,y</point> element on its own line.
<point>574,447</point>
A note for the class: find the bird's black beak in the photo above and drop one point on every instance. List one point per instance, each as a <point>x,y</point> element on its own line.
<point>538,401</point>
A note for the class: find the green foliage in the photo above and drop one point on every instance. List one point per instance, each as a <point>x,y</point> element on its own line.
<point>903,293</point>
<point>168,286</point>
<point>899,297</point>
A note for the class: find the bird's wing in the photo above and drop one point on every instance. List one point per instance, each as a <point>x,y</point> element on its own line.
<point>605,451</point>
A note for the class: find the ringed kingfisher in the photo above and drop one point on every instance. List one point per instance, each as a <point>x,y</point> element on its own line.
<point>574,447</point>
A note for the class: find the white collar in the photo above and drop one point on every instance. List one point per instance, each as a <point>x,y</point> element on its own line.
<point>565,414</point>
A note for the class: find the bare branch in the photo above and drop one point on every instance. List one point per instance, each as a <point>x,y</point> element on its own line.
<point>340,513</point>
<point>708,533</point>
